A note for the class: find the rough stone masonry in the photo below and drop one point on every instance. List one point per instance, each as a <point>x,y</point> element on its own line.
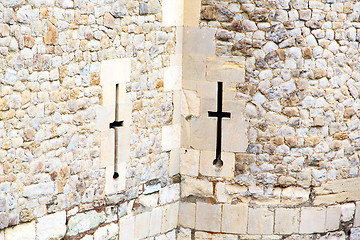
<point>290,71</point>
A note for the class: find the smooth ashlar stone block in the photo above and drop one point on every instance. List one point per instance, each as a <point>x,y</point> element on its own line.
<point>203,132</point>
<point>127,228</point>
<point>170,137</point>
<point>172,78</point>
<point>261,221</point>
<point>287,220</point>
<point>142,225</point>
<point>225,69</point>
<point>187,214</point>
<point>190,103</point>
<point>189,162</point>
<point>194,67</point>
<point>332,221</point>
<point>172,13</point>
<point>192,12</point>
<point>204,37</point>
<point>155,221</point>
<point>51,226</point>
<point>170,217</point>
<point>207,168</point>
<point>234,218</point>
<point>312,220</point>
<point>208,217</point>
<point>21,232</point>
<point>347,211</point>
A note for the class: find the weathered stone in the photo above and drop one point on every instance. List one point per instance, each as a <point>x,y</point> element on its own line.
<point>51,34</point>
<point>242,47</point>
<point>234,218</point>
<point>312,219</point>
<point>84,221</point>
<point>208,217</point>
<point>276,33</point>
<point>259,15</point>
<point>209,13</point>
<point>196,187</point>
<point>52,226</point>
<point>260,221</point>
<point>355,233</point>
<point>287,220</point>
<point>22,231</point>
<point>119,9</point>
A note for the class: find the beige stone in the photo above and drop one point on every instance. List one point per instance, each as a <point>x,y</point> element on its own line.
<point>294,195</point>
<point>208,217</point>
<point>192,12</point>
<point>207,168</point>
<point>194,68</point>
<point>221,194</point>
<point>332,221</point>
<point>215,236</point>
<point>234,218</point>
<point>287,220</point>
<point>196,187</point>
<point>174,162</point>
<point>205,36</point>
<point>170,137</point>
<point>225,69</point>
<point>142,225</point>
<point>172,78</point>
<point>172,13</point>
<point>21,232</point>
<point>189,162</point>
<point>170,217</point>
<point>51,226</point>
<point>357,215</point>
<point>187,214</point>
<point>155,221</point>
<point>312,220</point>
<point>190,104</point>
<point>2,234</point>
<point>338,191</point>
<point>203,132</point>
<point>127,228</point>
<point>261,221</point>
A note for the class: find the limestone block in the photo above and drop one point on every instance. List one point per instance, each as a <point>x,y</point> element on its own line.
<point>189,162</point>
<point>287,220</point>
<point>170,137</point>
<point>225,69</point>
<point>217,236</point>
<point>169,194</point>
<point>234,133</point>
<point>261,221</point>
<point>205,36</point>
<point>115,71</point>
<point>194,67</point>
<point>142,225</point>
<point>107,138</point>
<point>312,219</point>
<point>207,90</point>
<point>203,132</point>
<point>174,162</point>
<point>294,195</point>
<point>21,232</point>
<point>184,234</point>
<point>39,190</point>
<point>107,232</point>
<point>347,212</point>
<point>338,191</point>
<point>155,221</point>
<point>51,226</point>
<point>196,187</point>
<point>190,103</point>
<point>127,228</point>
<point>192,12</point>
<point>208,217</point>
<point>172,13</point>
<point>234,218</point>
<point>357,215</point>
<point>207,168</point>
<point>2,234</point>
<point>172,78</point>
<point>332,221</point>
<point>83,222</point>
<point>115,185</point>
<point>187,214</point>
<point>170,217</point>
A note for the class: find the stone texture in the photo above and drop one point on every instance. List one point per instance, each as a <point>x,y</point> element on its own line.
<point>51,226</point>
<point>357,215</point>
<point>234,219</point>
<point>84,221</point>
<point>287,220</point>
<point>196,187</point>
<point>208,217</point>
<point>312,219</point>
<point>260,221</point>
<point>333,214</point>
<point>22,231</point>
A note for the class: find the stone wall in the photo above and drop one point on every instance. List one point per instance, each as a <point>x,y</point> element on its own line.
<point>59,59</point>
<point>290,166</point>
